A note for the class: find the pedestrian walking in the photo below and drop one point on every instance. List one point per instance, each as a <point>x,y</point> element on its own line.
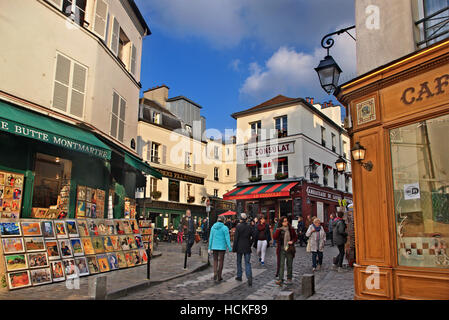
<point>243,239</point>
<point>317,239</point>
<point>286,238</point>
<point>180,233</point>
<point>219,241</point>
<point>330,227</point>
<point>340,238</point>
<point>274,230</point>
<point>189,231</point>
<point>262,238</point>
<point>301,231</point>
<point>204,228</point>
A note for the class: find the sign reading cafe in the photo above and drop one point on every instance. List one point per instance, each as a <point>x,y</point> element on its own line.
<point>269,150</point>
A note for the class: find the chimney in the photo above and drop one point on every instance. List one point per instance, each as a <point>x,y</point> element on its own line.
<point>331,104</point>
<point>311,101</point>
<point>158,94</point>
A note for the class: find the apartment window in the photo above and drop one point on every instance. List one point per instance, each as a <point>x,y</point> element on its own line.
<point>216,174</point>
<point>155,152</point>
<point>255,129</point>
<point>173,190</point>
<point>155,117</point>
<point>313,165</point>
<point>216,152</point>
<point>282,165</point>
<point>189,130</point>
<point>325,174</point>
<point>334,148</point>
<point>153,185</point>
<point>281,126</point>
<point>123,47</point>
<point>69,86</point>
<point>75,9</point>
<point>323,136</point>
<point>118,117</point>
<point>216,193</point>
<point>255,171</point>
<point>435,24</point>
<point>344,149</point>
<point>347,184</point>
<point>100,19</point>
<point>227,172</point>
<point>335,179</point>
<point>189,190</point>
<point>188,162</point>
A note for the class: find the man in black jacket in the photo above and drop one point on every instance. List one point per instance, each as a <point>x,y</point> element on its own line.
<point>243,238</point>
<point>340,238</point>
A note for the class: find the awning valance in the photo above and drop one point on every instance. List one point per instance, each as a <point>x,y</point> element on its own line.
<point>260,191</point>
<point>29,124</point>
<point>142,166</point>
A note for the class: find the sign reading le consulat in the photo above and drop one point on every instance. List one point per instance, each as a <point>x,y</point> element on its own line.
<point>270,150</point>
<point>72,144</point>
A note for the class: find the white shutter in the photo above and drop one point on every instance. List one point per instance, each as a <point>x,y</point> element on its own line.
<point>121,127</point>
<point>148,150</point>
<point>133,59</point>
<point>61,85</point>
<point>78,90</point>
<point>100,18</point>
<point>56,3</point>
<point>114,114</point>
<point>164,154</point>
<point>115,36</point>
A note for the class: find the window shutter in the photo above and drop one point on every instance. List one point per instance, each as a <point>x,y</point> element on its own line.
<point>101,14</point>
<point>133,59</point>
<point>78,90</point>
<point>56,3</point>
<point>164,154</point>
<point>62,79</point>
<point>115,36</point>
<point>149,148</point>
<point>114,114</point>
<point>121,128</point>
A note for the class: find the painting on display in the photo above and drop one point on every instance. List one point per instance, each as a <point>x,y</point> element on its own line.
<point>83,228</point>
<point>40,276</point>
<point>115,243</point>
<point>124,243</point>
<point>113,261</point>
<point>103,263</point>
<point>121,260</point>
<point>31,228</point>
<point>10,229</point>
<point>97,243</point>
<point>11,186</point>
<point>52,249</point>
<point>110,227</point>
<point>143,256</point>
<point>77,247</point>
<point>81,264</point>
<point>34,244</point>
<point>13,245</point>
<point>136,257</point>
<point>66,249</point>
<point>61,231</point>
<point>87,246</point>
<point>92,264</point>
<point>72,229</point>
<point>134,226</point>
<point>57,270</point>
<point>48,230</point>
<point>69,268</point>
<point>102,229</point>
<point>93,228</point>
<point>16,262</point>
<point>107,243</point>
<point>19,279</point>
<point>37,260</point>
<point>129,259</point>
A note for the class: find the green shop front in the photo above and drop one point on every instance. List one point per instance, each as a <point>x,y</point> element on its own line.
<point>50,169</point>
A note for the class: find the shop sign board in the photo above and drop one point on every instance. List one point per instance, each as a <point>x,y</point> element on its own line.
<point>321,194</point>
<point>269,150</point>
<point>180,176</point>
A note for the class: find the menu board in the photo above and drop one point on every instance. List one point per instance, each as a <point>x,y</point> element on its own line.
<point>11,192</point>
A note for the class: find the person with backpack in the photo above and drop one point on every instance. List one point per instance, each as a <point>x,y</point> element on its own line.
<point>243,239</point>
<point>219,241</point>
<point>340,238</point>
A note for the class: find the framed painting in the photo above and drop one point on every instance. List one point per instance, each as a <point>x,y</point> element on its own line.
<point>69,268</point>
<point>145,238</point>
<point>129,259</point>
<point>127,227</point>
<point>92,264</point>
<point>143,256</point>
<point>77,247</point>
<point>52,249</point>
<point>113,261</point>
<point>107,243</point>
<point>136,257</point>
<point>16,262</point>
<point>124,243</point>
<point>81,193</point>
<point>13,245</point>
<point>97,243</point>
<point>110,227</point>
<point>17,280</point>
<point>48,230</point>
<point>66,249</point>
<point>88,194</point>
<point>138,240</point>
<point>115,243</point>
<point>57,270</point>
<point>93,228</point>
<point>134,226</point>
<point>10,229</point>
<point>31,228</point>
<point>83,228</point>
<point>93,196</point>
<point>88,210</point>
<point>93,210</point>
<point>60,229</point>
<point>87,246</point>
<point>40,276</point>
<point>81,264</point>
<point>34,244</point>
<point>37,260</point>
<point>120,229</point>
<point>131,242</point>
<point>103,263</point>
<point>121,260</point>
<point>72,228</point>
<point>80,209</point>
<point>102,230</point>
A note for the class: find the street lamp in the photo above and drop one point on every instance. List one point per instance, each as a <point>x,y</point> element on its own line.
<point>328,70</point>
<point>358,154</point>
<point>340,164</point>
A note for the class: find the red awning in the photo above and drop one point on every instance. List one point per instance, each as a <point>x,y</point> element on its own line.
<point>228,213</point>
<point>260,191</point>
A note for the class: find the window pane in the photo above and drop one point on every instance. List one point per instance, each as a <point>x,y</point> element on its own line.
<point>173,190</point>
<point>421,192</point>
<point>60,96</point>
<point>79,78</point>
<point>77,104</point>
<point>63,70</point>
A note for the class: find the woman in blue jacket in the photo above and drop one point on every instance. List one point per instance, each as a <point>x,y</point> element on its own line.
<point>219,240</point>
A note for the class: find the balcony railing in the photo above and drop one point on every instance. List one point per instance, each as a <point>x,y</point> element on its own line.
<point>435,27</point>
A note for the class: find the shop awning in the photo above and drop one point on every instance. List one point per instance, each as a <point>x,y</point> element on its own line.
<point>260,191</point>
<point>32,125</point>
<point>142,166</point>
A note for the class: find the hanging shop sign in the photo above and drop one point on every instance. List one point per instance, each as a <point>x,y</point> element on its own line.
<point>270,151</point>
<point>180,176</point>
<point>325,195</point>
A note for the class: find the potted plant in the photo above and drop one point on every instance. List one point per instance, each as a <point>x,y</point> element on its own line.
<point>280,176</point>
<point>156,194</point>
<point>342,205</point>
<point>255,179</point>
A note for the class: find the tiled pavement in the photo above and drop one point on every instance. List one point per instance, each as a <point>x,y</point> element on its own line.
<point>173,282</point>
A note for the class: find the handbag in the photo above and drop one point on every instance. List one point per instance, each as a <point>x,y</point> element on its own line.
<point>291,249</point>
<point>197,238</point>
<point>308,249</point>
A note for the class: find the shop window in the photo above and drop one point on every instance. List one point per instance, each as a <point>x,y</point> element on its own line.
<point>173,190</point>
<point>420,168</point>
<point>51,192</point>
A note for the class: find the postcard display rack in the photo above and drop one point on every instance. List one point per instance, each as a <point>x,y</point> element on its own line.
<point>37,252</point>
<point>11,191</point>
<point>147,234</point>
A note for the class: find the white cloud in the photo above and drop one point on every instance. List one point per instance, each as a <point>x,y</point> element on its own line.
<point>291,73</point>
<point>235,64</point>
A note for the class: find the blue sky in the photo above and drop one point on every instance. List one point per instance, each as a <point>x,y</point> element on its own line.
<point>229,55</point>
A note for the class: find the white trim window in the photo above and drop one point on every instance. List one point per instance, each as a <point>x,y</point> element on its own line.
<point>56,3</point>
<point>100,19</point>
<point>118,117</point>
<point>216,176</point>
<point>155,152</point>
<point>69,88</point>
<point>76,10</point>
<point>280,124</point>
